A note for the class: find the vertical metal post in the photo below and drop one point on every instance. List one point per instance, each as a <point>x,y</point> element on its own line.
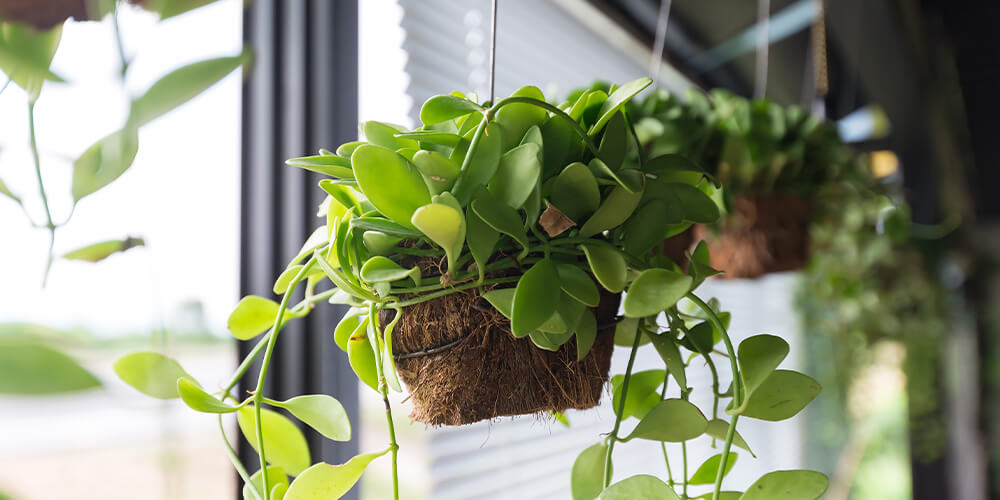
<point>301,95</point>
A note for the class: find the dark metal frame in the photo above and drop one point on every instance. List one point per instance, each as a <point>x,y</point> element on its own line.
<point>301,95</point>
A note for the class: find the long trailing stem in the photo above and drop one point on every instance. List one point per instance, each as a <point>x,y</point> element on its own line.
<point>663,445</point>
<point>613,437</point>
<point>258,395</point>
<point>737,390</point>
<point>41,189</point>
<point>383,388</point>
<point>235,459</point>
<point>550,108</point>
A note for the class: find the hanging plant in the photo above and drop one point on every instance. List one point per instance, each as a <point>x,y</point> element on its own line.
<point>483,257</point>
<point>772,161</point>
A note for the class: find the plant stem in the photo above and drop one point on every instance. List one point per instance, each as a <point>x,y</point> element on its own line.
<point>233,457</point>
<point>383,388</point>
<point>548,107</point>
<point>258,395</point>
<point>684,454</point>
<point>442,293</point>
<point>41,189</point>
<point>663,445</point>
<point>118,42</point>
<point>730,433</point>
<point>621,409</point>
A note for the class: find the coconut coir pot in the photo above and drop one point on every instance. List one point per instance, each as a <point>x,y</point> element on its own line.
<point>461,363</point>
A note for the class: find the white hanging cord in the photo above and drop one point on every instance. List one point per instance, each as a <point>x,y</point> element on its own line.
<point>763,29</point>
<point>656,59</point>
<point>493,51</point>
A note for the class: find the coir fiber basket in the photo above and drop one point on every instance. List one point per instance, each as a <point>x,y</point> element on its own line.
<point>761,235</point>
<point>461,363</point>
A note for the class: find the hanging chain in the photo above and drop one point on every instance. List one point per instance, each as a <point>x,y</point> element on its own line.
<point>656,58</point>
<point>818,35</point>
<point>493,51</point>
<point>763,28</point>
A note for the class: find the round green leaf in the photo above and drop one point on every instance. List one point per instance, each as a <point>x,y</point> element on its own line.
<point>481,162</point>
<point>384,134</point>
<point>442,108</point>
<point>502,300</point>
<point>782,395</point>
<point>608,266</point>
<point>615,210</point>
<point>575,282</point>
<point>549,341</point>
<point>275,478</point>
<point>28,368</point>
<point>641,487</point>
<point>445,226</point>
<point>535,297</point>
<point>655,290</point>
<point>482,239</point>
<point>586,334</point>
<point>347,149</point>
<point>698,207</point>
<point>379,243</point>
<point>438,170</point>
<point>707,471</point>
<point>562,145</point>
<point>759,356</point>
<point>723,495</point>
<point>284,280</point>
<point>643,393</point>
<point>252,316</point>
<point>788,485</point>
<point>378,269</point>
<point>361,356</point>
<point>518,118</point>
<point>646,228</point>
<point>197,399</point>
<point>327,482</point>
<point>390,182</point>
<point>587,476</point>
<point>671,420</point>
<point>501,217</point>
<point>575,192</point>
<point>517,175</point>
<point>284,444</point>
<point>719,428</point>
<point>151,373</point>
<point>321,412</point>
<point>342,334</point>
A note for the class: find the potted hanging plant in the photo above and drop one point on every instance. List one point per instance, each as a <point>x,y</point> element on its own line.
<point>484,257</point>
<point>773,162</point>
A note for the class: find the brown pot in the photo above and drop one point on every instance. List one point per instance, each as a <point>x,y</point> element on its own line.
<point>764,234</point>
<point>461,363</point>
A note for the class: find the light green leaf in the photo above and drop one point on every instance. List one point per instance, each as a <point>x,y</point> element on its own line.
<point>671,420</point>
<point>182,85</point>
<point>518,174</point>
<point>481,162</point>
<point>587,476</point>
<point>438,170</point>
<point>759,356</point>
<point>614,144</point>
<point>4,190</point>
<point>284,444</point>
<point>378,269</point>
<point>275,478</point>
<point>347,149</point>
<point>518,118</point>
<point>384,135</point>
<point>575,282</point>
<point>549,341</point>
<point>575,192</point>
<point>535,298</point>
<point>384,226</point>
<point>26,54</point>
<point>345,328</point>
<point>607,264</point>
<point>379,243</point>
<point>782,395</point>
<point>482,239</point>
<point>586,334</point>
<point>700,267</point>
<point>151,373</point>
<point>28,368</point>
<point>671,355</point>
<point>321,412</point>
<point>655,290</point>
<point>445,226</point>
<point>104,161</point>
<point>197,399</point>
<point>643,393</point>
<point>442,108</point>
<point>707,471</point>
<point>432,137</point>
<point>640,487</point>
<point>719,428</point>
<point>788,485</point>
<point>615,210</point>
<point>390,182</point>
<point>252,317</point>
<point>334,166</point>
<point>361,356</point>
<point>562,145</point>
<point>630,179</point>
<point>502,300</point>
<point>502,218</point>
<point>616,100</point>
<point>100,251</point>
<point>328,482</point>
<point>723,495</point>
<point>625,331</point>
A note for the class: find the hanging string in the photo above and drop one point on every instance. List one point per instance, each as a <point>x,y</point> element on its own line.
<point>493,51</point>
<point>763,29</point>
<point>818,38</point>
<point>656,58</point>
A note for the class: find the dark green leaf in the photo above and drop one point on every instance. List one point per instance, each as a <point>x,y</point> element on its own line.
<point>586,334</point>
<point>516,119</point>
<point>502,300</point>
<point>432,136</point>
<point>647,227</point>
<point>614,145</point>
<point>502,218</point>
<point>655,290</point>
<point>562,145</point>
<point>438,170</point>
<point>535,298</point>
<point>575,282</point>
<point>671,355</point>
<point>482,239</point>
<point>759,356</point>
<point>384,226</point>
<point>615,210</point>
<point>549,341</point>
<point>575,192</point>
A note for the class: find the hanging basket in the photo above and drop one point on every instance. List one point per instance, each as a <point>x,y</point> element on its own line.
<point>461,363</point>
<point>764,234</point>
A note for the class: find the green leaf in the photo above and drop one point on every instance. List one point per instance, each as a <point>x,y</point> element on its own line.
<point>723,495</point>
<point>607,264</point>
<point>390,182</point>
<point>380,243</point>
<point>518,174</point>
<point>26,54</point>
<point>587,476</point>
<point>616,100</point>
<point>29,368</point>
<point>284,444</point>
<point>698,207</point>
<point>517,118</point>
<point>614,144</point>
<point>643,393</point>
<point>275,478</point>
<point>625,331</point>
<point>442,108</point>
<point>171,8</point>
<point>482,239</point>
<point>549,341</point>
<point>671,355</point>
<point>575,282</point>
<point>720,428</point>
<point>562,145</point>
<point>100,251</point>
<point>438,170</point>
<point>481,162</point>
<point>151,373</point>
<point>182,85</point>
<point>378,269</point>
<point>345,328</point>
<point>321,412</point>
<point>198,400</point>
<point>575,192</point>
<point>104,161</point>
<point>788,485</point>
<point>671,420</point>
<point>334,166</point>
<point>285,280</point>
<point>615,210</point>
<point>384,135</point>
<point>630,179</point>
<point>759,356</point>
<point>646,228</point>
<point>502,300</point>
<point>707,471</point>
<point>502,218</point>
<point>4,190</point>
<point>361,356</point>
<point>700,338</point>
<point>384,226</point>
<point>252,317</point>
<point>434,137</point>
<point>347,149</point>
<point>700,268</point>
<point>445,226</point>
<point>328,482</point>
<point>535,298</point>
<point>655,290</point>
<point>586,334</point>
<point>640,487</point>
<point>782,395</point>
